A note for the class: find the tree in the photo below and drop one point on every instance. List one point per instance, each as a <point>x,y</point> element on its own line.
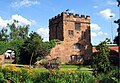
<point>46,47</point>
<point>18,32</point>
<point>3,35</point>
<point>101,62</point>
<point>3,46</point>
<point>32,45</point>
<point>50,44</point>
<point>116,40</point>
<point>14,45</point>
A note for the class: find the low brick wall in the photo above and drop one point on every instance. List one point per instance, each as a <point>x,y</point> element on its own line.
<point>1,58</point>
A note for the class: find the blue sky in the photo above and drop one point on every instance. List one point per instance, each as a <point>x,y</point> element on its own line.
<point>37,13</point>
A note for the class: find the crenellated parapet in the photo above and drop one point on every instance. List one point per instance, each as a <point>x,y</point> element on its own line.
<point>70,15</point>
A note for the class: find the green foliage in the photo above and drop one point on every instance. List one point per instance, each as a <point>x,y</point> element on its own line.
<point>46,47</point>
<point>33,43</point>
<point>69,66</point>
<point>31,47</point>
<point>101,61</point>
<point>111,77</point>
<point>36,75</point>
<point>51,43</point>
<point>3,46</point>
<point>35,49</point>
<point>116,40</point>
<point>11,73</point>
<point>16,46</point>
<point>2,80</point>
<point>3,35</point>
<point>104,71</point>
<point>13,45</point>
<point>18,32</point>
<point>17,36</point>
<point>70,77</point>
<point>24,75</point>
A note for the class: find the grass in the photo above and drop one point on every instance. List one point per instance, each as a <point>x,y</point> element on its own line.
<point>69,66</point>
<point>8,61</point>
<point>74,66</point>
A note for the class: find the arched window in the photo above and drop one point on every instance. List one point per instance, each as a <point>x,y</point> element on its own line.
<point>77,26</point>
<point>77,46</point>
<point>74,58</point>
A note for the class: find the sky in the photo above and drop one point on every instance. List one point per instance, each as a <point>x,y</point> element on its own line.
<point>37,13</point>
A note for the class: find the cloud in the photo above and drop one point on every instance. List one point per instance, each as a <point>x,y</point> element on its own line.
<point>105,34</point>
<point>22,20</point>
<point>93,34</point>
<point>111,2</point>
<point>44,32</point>
<point>95,6</point>
<point>95,27</point>
<point>100,33</point>
<point>107,13</point>
<point>24,3</point>
<point>3,23</point>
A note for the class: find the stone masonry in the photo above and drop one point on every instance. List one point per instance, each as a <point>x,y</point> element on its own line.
<point>74,34</point>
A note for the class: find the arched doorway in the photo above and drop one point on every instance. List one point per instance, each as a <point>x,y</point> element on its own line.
<point>9,56</point>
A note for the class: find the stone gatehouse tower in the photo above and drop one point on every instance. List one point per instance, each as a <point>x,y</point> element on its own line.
<point>74,33</point>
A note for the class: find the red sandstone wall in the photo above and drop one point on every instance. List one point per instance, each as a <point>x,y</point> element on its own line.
<point>59,27</point>
<point>1,58</point>
<point>115,48</point>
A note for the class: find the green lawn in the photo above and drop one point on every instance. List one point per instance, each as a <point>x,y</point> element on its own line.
<point>74,66</point>
<point>69,66</point>
<point>8,61</point>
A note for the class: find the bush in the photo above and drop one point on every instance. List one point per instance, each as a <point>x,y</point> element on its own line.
<point>11,69</point>
<point>11,73</point>
<point>71,76</point>
<point>36,75</point>
<point>2,80</point>
<point>24,76</point>
<point>111,77</point>
<point>105,78</point>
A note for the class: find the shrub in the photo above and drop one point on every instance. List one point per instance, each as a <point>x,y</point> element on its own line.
<point>2,80</point>
<point>24,75</point>
<point>111,77</point>
<point>11,69</point>
<point>41,78</point>
<point>11,73</point>
<point>71,76</point>
<point>36,75</point>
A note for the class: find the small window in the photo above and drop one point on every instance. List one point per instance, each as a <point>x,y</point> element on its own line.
<point>70,33</point>
<point>74,58</point>
<point>77,26</point>
<point>83,34</point>
<point>77,46</point>
<point>89,31</point>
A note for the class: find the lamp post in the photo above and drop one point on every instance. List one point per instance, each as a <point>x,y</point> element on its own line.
<point>111,28</point>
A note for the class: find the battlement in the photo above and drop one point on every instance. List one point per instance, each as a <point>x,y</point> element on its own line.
<point>69,15</point>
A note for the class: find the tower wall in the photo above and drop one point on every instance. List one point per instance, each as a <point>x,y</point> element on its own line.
<point>56,27</point>
<point>74,32</point>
